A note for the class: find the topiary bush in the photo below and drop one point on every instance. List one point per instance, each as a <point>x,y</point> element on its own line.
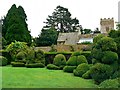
<point>52,67</point>
<point>81,69</point>
<point>3,61</point>
<point>72,61</point>
<point>76,54</point>
<point>40,56</point>
<point>110,83</point>
<point>81,59</point>
<point>69,69</point>
<point>59,60</point>
<point>21,55</point>
<point>17,64</point>
<point>100,72</point>
<point>109,57</point>
<point>35,65</point>
<point>87,75</point>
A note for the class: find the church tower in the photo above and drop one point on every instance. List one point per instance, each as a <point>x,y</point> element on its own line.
<point>106,25</point>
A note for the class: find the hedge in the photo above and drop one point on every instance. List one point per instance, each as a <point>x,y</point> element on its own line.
<point>35,65</point>
<point>3,61</point>
<point>52,67</point>
<point>69,69</point>
<point>17,64</point>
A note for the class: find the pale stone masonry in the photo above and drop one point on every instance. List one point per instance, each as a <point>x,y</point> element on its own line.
<point>106,25</point>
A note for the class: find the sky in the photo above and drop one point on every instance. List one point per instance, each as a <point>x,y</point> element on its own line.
<point>88,12</point>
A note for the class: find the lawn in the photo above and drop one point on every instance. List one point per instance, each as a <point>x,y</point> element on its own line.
<point>21,77</point>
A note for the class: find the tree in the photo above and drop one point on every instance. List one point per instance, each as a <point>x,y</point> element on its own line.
<point>97,30</point>
<point>61,20</point>
<point>87,31</point>
<point>15,26</point>
<point>47,37</point>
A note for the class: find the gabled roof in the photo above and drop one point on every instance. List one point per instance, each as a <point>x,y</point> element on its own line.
<point>68,38</point>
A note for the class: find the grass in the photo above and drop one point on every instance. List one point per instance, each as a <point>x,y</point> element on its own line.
<point>21,77</point>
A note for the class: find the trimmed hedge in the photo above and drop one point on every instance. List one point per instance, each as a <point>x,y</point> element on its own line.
<point>52,67</point>
<point>87,75</point>
<point>76,54</point>
<point>110,83</point>
<point>17,64</point>
<point>69,69</point>
<point>81,69</point>
<point>21,55</point>
<point>72,61</point>
<point>101,72</point>
<point>35,65</point>
<point>59,60</point>
<point>81,59</point>
<point>109,57</point>
<point>3,61</point>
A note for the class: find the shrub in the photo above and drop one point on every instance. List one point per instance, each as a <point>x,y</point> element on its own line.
<point>35,65</point>
<point>100,72</point>
<point>76,53</point>
<point>81,69</point>
<point>69,69</point>
<point>87,75</point>
<point>52,67</point>
<point>94,61</point>
<point>17,64</point>
<point>59,60</point>
<point>97,38</point>
<point>72,61</point>
<point>110,83</point>
<point>3,61</point>
<point>109,57</point>
<point>40,56</point>
<point>81,59</point>
<point>106,44</point>
<point>21,56</point>
<point>116,74</point>
<point>30,54</point>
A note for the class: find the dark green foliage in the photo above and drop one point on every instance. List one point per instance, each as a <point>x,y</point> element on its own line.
<point>100,72</point>
<point>94,61</point>
<point>52,67</point>
<point>109,57</point>
<point>81,59</point>
<point>116,74</point>
<point>47,37</point>
<point>106,44</point>
<point>110,83</point>
<point>3,61</point>
<point>81,69</point>
<point>17,64</point>
<point>87,31</point>
<point>115,34</point>
<point>21,56</point>
<point>35,65</point>
<point>97,54</point>
<point>72,61</point>
<point>40,56</point>
<point>69,69</point>
<point>98,38</point>
<point>61,20</point>
<point>87,75</point>
<point>59,60</point>
<point>15,26</point>
<point>7,55</point>
<point>76,54</point>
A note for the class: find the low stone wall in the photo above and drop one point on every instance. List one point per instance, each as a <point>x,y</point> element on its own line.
<point>63,48</point>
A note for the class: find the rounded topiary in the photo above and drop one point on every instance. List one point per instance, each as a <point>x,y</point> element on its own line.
<point>87,75</point>
<point>17,64</point>
<point>35,65</point>
<point>81,59</point>
<point>69,69</point>
<point>52,67</point>
<point>110,83</point>
<point>101,72</point>
<point>81,69</point>
<point>76,53</point>
<point>21,56</point>
<point>109,57</point>
<point>3,61</point>
<point>40,56</point>
<point>72,61</point>
<point>59,60</point>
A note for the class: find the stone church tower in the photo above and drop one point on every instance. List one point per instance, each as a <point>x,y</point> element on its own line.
<point>106,25</point>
